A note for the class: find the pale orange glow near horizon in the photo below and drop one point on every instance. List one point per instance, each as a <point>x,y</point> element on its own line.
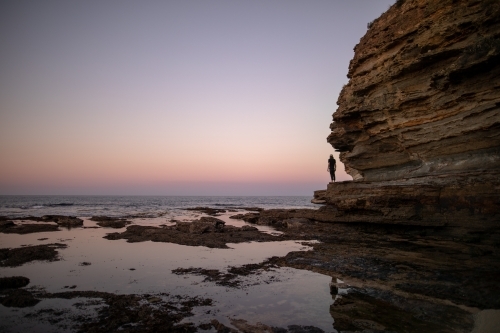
<point>216,98</point>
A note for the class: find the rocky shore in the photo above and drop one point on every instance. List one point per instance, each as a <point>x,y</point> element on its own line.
<point>207,231</point>
<point>412,244</point>
<point>385,277</point>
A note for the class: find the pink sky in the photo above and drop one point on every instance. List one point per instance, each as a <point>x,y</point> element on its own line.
<point>173,98</point>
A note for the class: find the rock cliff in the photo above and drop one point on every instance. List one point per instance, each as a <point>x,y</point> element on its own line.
<point>418,124</point>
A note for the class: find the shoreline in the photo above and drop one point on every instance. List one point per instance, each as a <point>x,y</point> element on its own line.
<point>413,273</point>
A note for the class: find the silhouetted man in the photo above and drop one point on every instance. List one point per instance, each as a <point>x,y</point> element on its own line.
<point>332,167</point>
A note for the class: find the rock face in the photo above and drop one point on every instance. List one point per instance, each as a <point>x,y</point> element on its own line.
<point>424,93</point>
<point>418,124</point>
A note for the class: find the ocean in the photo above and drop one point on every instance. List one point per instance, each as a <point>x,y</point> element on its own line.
<point>121,206</point>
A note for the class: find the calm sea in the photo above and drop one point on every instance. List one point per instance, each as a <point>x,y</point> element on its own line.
<point>86,206</point>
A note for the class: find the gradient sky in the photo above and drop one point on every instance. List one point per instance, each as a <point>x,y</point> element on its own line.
<point>173,97</point>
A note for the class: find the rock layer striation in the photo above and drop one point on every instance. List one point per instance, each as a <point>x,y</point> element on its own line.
<point>418,124</point>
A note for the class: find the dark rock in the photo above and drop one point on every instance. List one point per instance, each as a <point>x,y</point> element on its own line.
<point>206,225</point>
<point>466,201</point>
<point>248,228</point>
<point>207,232</point>
<point>265,220</point>
<point>252,209</point>
<point>183,226</point>
<point>205,326</point>
<point>231,278</point>
<point>304,329</point>
<point>221,328</point>
<point>65,221</point>
<point>208,210</point>
<point>18,256</point>
<point>140,313</point>
<point>334,289</point>
<point>110,222</point>
<point>6,224</point>
<point>296,222</point>
<point>27,228</point>
<point>13,282</point>
<point>18,298</point>
<point>370,309</point>
<point>248,217</point>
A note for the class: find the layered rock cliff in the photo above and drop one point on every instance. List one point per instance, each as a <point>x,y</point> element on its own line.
<point>418,124</point>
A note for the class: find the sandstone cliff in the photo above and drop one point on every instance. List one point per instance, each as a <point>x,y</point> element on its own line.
<point>418,124</point>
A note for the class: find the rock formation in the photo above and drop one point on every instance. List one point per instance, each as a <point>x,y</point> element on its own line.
<point>418,124</point>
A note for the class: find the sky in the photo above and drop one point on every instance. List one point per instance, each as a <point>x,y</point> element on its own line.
<point>191,97</point>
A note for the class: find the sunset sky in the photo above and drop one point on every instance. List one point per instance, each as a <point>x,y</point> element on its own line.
<point>173,97</point>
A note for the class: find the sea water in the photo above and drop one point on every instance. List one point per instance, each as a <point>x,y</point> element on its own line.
<point>118,206</point>
<point>279,298</point>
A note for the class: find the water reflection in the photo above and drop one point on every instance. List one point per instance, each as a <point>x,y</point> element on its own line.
<point>281,297</point>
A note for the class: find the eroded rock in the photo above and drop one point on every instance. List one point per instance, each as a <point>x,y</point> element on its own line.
<point>6,224</point>
<point>12,228</point>
<point>18,298</point>
<point>247,217</point>
<point>110,222</point>
<point>376,310</point>
<point>21,255</point>
<point>208,210</point>
<point>145,313</point>
<point>201,226</point>
<point>13,282</point>
<point>423,95</point>
<point>296,222</point>
<point>207,231</point>
<point>418,123</point>
<point>231,278</point>
<point>64,221</point>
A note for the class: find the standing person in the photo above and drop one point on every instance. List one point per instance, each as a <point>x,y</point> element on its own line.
<point>332,167</point>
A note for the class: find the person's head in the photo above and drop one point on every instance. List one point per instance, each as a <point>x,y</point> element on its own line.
<point>331,156</point>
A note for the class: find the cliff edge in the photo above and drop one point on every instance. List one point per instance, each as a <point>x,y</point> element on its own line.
<point>418,124</point>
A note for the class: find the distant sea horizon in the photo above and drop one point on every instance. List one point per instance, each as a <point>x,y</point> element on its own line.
<point>127,205</point>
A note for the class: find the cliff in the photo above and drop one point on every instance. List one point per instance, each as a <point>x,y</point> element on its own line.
<point>418,124</point>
